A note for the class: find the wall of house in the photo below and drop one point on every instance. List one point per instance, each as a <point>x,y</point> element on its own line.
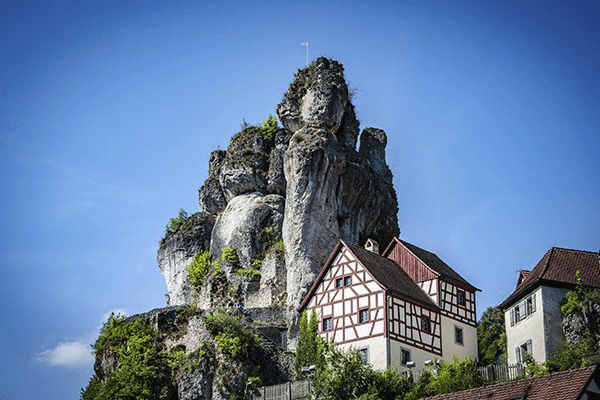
<point>450,348</point>
<point>405,325</point>
<point>449,302</point>
<point>419,356</point>
<point>377,348</point>
<point>342,305</point>
<point>530,328</point>
<point>431,288</point>
<point>553,333</point>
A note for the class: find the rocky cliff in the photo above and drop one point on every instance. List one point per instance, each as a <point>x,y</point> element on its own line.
<point>271,210</point>
<point>282,198</point>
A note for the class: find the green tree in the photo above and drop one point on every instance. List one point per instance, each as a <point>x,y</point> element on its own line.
<point>269,128</point>
<point>491,336</point>
<point>306,351</point>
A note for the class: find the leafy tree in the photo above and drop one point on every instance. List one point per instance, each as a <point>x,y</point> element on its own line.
<point>306,351</point>
<point>491,336</point>
<point>450,377</point>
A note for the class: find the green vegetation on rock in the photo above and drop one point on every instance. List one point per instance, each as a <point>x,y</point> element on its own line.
<point>199,268</point>
<point>231,335</point>
<point>141,371</point>
<point>175,223</point>
<point>269,128</point>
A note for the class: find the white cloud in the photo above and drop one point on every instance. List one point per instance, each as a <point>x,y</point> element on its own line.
<point>68,354</point>
<point>76,353</point>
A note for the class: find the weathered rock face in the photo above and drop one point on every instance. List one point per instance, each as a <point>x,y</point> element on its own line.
<point>306,184</point>
<point>205,369</point>
<point>177,250</point>
<point>349,193</point>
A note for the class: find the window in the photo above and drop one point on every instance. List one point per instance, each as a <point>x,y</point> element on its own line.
<point>425,324</point>
<point>530,304</point>
<point>348,281</point>
<point>363,315</point>
<point>327,324</point>
<point>364,354</point>
<point>522,310</point>
<point>404,356</point>
<point>458,335</point>
<point>460,297</point>
<point>338,283</point>
<point>523,350</point>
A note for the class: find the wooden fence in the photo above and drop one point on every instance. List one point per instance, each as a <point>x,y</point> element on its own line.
<point>301,389</point>
<point>285,391</point>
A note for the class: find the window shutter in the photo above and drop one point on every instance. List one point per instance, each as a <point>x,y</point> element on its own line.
<point>512,316</point>
<point>533,303</point>
<point>518,351</point>
<point>529,347</point>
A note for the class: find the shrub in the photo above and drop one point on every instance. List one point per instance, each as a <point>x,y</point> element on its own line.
<point>269,128</point>
<point>277,247</point>
<point>230,255</point>
<point>199,268</point>
<point>175,223</point>
<point>573,355</point>
<point>142,371</point>
<point>247,272</point>
<point>232,337</point>
<point>574,297</point>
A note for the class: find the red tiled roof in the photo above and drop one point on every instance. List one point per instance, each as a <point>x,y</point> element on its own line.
<point>567,385</point>
<point>559,266</point>
<point>387,273</point>
<point>383,270</point>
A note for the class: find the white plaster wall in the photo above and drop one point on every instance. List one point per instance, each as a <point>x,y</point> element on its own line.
<point>417,355</point>
<point>377,350</point>
<point>531,328</point>
<point>449,348</point>
<point>553,333</point>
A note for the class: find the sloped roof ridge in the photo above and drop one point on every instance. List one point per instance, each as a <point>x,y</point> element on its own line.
<point>529,380</point>
<point>576,250</point>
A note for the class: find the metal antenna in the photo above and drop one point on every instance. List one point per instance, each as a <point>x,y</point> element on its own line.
<point>305,45</point>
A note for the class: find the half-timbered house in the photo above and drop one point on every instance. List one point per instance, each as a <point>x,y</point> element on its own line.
<point>401,308</point>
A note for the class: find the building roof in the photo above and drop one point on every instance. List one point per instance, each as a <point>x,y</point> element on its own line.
<point>558,267</point>
<point>567,385</point>
<point>432,261</point>
<point>383,270</point>
<point>390,276</point>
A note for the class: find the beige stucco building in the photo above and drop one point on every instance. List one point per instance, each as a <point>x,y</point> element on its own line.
<point>403,308</point>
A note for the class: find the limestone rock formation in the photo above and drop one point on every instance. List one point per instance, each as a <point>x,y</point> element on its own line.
<point>305,184</point>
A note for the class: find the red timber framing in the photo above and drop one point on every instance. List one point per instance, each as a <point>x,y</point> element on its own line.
<point>441,289</point>
<point>404,325</point>
<point>343,304</point>
<point>450,306</point>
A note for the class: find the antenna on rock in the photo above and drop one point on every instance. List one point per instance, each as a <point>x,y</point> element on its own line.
<point>305,45</point>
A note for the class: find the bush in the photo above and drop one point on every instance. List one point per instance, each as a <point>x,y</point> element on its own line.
<point>142,371</point>
<point>247,272</point>
<point>199,268</point>
<point>175,223</point>
<point>450,377</point>
<point>574,297</point>
<point>269,128</point>
<point>232,337</point>
<point>573,355</point>
<point>230,255</point>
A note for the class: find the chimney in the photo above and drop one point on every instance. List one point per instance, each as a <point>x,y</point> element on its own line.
<point>372,246</point>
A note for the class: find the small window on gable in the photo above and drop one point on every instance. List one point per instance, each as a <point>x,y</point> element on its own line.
<point>425,324</point>
<point>327,324</point>
<point>339,283</point>
<point>458,335</point>
<point>347,281</point>
<point>404,356</point>
<point>460,297</point>
<point>363,315</point>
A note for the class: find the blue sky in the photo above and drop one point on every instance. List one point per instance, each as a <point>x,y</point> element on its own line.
<point>108,112</point>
